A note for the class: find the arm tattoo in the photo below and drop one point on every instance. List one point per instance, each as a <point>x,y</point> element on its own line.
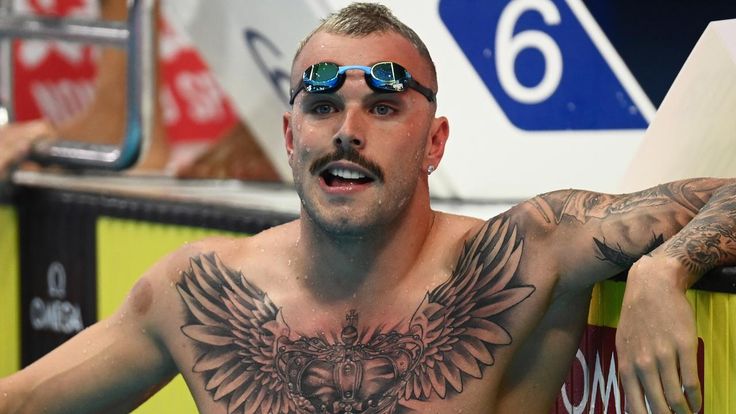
<point>709,240</point>
<point>584,205</point>
<point>619,257</point>
<point>253,361</point>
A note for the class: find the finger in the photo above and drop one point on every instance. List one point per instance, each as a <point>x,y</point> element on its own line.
<point>634,403</point>
<point>690,381</point>
<point>652,385</point>
<point>672,387</point>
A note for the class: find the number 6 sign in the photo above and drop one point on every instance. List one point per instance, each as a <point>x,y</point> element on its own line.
<point>541,65</point>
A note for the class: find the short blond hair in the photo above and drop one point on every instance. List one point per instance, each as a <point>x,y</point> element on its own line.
<point>363,19</point>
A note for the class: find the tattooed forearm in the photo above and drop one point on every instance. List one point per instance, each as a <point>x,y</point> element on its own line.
<point>709,240</point>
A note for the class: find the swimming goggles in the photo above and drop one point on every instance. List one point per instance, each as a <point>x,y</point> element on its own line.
<point>327,77</point>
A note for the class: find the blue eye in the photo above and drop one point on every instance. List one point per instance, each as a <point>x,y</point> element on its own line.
<point>383,109</point>
<point>323,109</point>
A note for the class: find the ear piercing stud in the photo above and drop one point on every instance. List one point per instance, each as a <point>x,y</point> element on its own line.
<point>430,169</point>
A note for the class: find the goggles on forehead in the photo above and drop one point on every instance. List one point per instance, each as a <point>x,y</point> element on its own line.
<point>327,77</point>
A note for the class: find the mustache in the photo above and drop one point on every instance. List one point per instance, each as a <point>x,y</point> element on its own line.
<point>350,154</point>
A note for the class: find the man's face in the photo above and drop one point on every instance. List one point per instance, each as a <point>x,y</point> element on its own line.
<point>359,157</point>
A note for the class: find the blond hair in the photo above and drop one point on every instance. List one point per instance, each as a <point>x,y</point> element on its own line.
<point>363,19</point>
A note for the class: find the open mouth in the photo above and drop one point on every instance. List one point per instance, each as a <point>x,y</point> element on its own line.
<point>340,177</point>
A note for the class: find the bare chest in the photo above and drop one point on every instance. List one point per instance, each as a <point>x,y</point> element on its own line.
<point>443,348</point>
<point>241,351</point>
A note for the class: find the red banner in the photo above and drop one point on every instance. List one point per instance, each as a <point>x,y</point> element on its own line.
<point>593,386</point>
<point>55,80</point>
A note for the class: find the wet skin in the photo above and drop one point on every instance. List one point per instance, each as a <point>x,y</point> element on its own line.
<point>439,313</point>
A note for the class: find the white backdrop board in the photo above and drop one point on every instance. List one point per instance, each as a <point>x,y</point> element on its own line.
<point>694,131</point>
<point>537,97</point>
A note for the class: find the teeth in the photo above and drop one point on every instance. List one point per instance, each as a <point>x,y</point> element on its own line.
<point>346,174</point>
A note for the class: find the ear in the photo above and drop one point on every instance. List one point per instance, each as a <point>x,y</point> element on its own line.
<point>288,135</point>
<point>439,133</point>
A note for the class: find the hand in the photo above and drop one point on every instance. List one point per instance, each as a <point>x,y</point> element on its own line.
<point>16,141</point>
<point>656,340</point>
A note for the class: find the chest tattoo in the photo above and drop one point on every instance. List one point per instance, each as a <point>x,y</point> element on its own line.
<point>253,362</point>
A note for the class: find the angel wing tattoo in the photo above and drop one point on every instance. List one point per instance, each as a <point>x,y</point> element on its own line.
<point>252,361</point>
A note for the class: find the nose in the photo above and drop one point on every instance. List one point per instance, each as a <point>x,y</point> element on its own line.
<point>351,132</point>
<point>348,141</point>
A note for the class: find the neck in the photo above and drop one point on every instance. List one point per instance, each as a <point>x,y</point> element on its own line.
<point>339,267</point>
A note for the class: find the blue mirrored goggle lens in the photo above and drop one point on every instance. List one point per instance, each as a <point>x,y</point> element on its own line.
<point>390,76</point>
<point>389,72</point>
<point>321,77</point>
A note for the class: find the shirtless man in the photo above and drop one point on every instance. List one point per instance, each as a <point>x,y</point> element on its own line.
<point>372,302</point>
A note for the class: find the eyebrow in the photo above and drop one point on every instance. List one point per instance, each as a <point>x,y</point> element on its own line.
<point>309,98</point>
<point>384,96</point>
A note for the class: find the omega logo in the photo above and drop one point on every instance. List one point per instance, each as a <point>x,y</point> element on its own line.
<point>56,278</point>
<point>56,314</point>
